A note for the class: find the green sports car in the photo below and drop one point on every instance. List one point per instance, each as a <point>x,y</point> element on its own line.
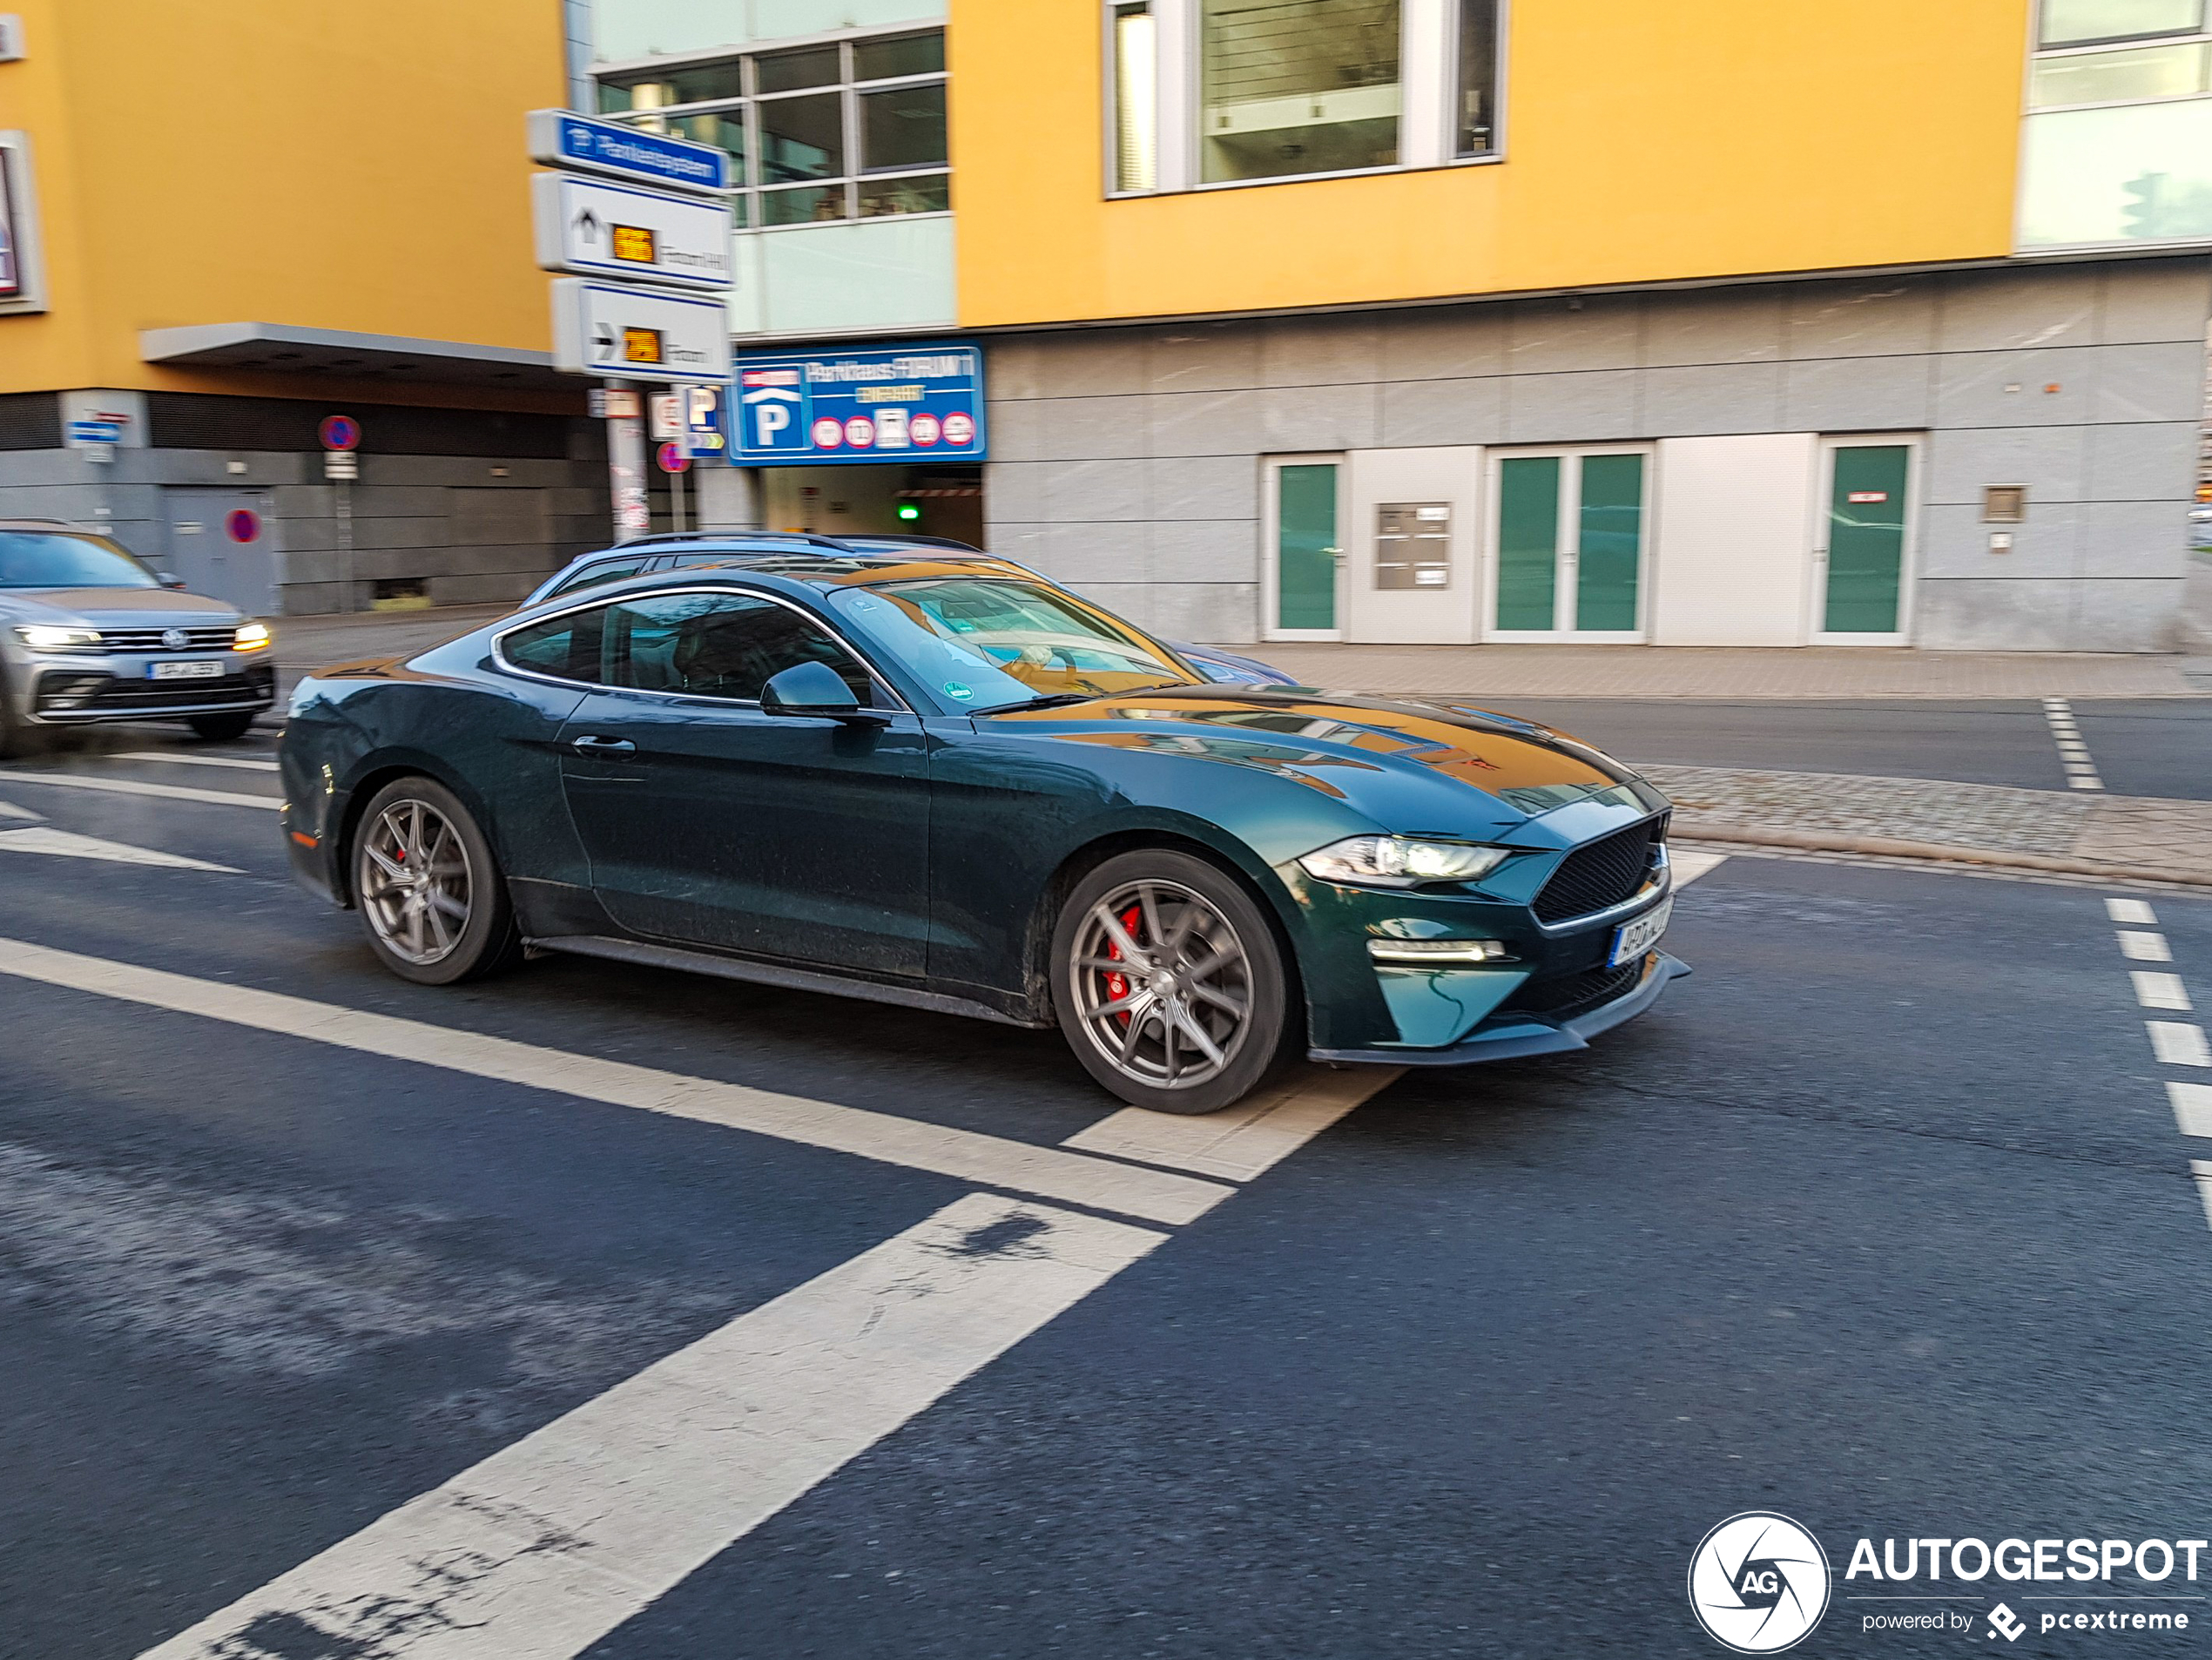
<point>956,785</point>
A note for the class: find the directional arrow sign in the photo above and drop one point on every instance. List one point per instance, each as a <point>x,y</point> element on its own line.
<point>618,332</point>
<point>603,229</point>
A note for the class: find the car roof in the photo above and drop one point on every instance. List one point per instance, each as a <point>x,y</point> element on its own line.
<point>814,570</point>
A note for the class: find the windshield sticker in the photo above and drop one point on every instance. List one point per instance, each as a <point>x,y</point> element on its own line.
<point>953,689</point>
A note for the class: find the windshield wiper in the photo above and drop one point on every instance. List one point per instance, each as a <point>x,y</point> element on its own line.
<point>1047,700</point>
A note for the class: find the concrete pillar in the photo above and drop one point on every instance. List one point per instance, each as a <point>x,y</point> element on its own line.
<point>729,497</point>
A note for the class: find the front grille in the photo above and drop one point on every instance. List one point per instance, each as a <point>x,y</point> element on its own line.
<point>1602,873</point>
<point>1566,995</point>
<point>61,693</point>
<point>149,639</point>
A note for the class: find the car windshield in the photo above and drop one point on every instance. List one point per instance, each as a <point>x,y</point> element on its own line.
<point>59,559</point>
<point>991,643</point>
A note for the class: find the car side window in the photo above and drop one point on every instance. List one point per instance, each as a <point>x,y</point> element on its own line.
<point>566,648</point>
<point>718,645</point>
<point>592,576</point>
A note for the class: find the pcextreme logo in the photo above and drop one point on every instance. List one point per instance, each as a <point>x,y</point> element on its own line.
<point>1758,1582</point>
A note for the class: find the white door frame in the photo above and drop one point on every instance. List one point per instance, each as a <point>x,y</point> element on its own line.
<point>1271,495</point>
<point>1566,554</point>
<point>1908,555</point>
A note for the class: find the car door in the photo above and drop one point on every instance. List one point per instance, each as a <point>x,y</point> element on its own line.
<point>707,821</point>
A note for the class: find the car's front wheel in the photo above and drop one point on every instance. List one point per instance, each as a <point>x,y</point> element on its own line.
<point>1168,983</point>
<point>428,888</point>
<point>220,729</point>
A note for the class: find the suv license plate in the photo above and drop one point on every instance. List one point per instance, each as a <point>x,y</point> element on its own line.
<point>184,671</point>
<point>1632,940</point>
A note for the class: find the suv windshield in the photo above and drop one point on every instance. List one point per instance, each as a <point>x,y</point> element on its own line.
<point>59,559</point>
<point>989,643</point>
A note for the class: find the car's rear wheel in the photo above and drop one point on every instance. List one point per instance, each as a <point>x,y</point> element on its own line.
<point>220,729</point>
<point>1168,983</point>
<point>428,888</point>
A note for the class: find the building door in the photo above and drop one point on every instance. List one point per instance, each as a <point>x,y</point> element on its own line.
<point>1409,567</point>
<point>1302,598</point>
<point>223,544</point>
<point>1860,554</point>
<point>1568,533</point>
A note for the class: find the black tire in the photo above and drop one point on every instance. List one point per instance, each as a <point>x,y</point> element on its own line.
<point>427,942</point>
<point>1180,993</point>
<point>15,737</point>
<point>220,729</point>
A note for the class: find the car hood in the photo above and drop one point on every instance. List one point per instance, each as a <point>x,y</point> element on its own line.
<point>118,607</point>
<point>1440,766</point>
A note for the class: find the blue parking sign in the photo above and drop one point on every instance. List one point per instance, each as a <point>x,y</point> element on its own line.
<point>897,404</point>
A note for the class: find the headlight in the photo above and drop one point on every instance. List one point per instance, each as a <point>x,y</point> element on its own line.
<point>251,637</point>
<point>40,637</point>
<point>1398,861</point>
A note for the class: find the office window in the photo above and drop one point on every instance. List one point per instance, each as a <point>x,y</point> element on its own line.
<point>1296,86</point>
<point>1476,113</point>
<point>2117,144</point>
<point>1136,98</point>
<point>853,129</point>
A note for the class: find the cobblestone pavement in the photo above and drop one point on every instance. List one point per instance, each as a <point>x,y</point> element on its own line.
<point>2141,835</point>
<point>1502,672</point>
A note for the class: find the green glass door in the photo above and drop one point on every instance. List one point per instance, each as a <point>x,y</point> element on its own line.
<point>1306,546</point>
<point>1609,551</point>
<point>1570,543</point>
<point>1866,539</point>
<point>1528,542</point>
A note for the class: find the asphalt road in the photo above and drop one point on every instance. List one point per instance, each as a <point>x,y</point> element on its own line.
<point>1881,1220</point>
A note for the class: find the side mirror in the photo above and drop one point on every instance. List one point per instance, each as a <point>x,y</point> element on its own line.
<point>813,689</point>
<point>169,580</point>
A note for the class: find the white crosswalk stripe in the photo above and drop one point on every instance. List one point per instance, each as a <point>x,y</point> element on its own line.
<point>179,759</point>
<point>62,844</point>
<point>136,786</point>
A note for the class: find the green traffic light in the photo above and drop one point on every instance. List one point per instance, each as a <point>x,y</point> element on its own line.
<point>910,512</point>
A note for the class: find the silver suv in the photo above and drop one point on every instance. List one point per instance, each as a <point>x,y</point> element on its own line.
<point>88,633</point>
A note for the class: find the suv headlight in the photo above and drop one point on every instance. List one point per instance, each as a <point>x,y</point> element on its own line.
<point>1401,861</point>
<point>251,637</point>
<point>40,637</point>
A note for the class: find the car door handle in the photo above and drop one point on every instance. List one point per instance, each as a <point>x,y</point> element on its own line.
<point>603,748</point>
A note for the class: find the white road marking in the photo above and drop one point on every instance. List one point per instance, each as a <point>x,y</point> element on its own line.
<point>10,810</point>
<point>2192,1107</point>
<point>1690,865</point>
<point>2159,990</point>
<point>2073,754</point>
<point>2201,1169</point>
<point>182,760</point>
<point>966,1155</point>
<point>2131,910</point>
<point>46,840</point>
<point>546,1546</point>
<point>2141,947</point>
<point>2178,1044</point>
<point>132,786</point>
<point>1243,1140</point>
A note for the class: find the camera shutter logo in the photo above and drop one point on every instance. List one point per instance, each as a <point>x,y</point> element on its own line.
<point>1758,1582</point>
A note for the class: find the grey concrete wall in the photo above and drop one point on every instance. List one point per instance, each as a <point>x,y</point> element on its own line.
<point>1127,461</point>
<point>474,535</point>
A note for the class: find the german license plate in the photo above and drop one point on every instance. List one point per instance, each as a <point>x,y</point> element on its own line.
<point>1632,940</point>
<point>184,671</point>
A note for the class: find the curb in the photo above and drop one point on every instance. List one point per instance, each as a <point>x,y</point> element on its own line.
<point>1694,829</point>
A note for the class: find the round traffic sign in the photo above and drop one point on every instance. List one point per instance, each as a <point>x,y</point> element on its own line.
<point>959,429</point>
<point>923,429</point>
<point>340,432</point>
<point>672,458</point>
<point>244,524</point>
<point>829,433</point>
<point>860,432</point>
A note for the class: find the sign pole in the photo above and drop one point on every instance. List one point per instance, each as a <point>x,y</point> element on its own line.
<point>676,479</point>
<point>626,471</point>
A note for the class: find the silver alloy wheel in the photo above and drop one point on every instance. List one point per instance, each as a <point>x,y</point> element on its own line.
<point>416,883</point>
<point>1162,984</point>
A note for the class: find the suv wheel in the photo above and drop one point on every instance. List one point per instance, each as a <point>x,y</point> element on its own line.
<point>1168,983</point>
<point>220,729</point>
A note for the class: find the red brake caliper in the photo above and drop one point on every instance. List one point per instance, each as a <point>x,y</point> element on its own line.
<point>1117,984</point>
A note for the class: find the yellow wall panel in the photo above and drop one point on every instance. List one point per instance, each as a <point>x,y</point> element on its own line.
<point>1643,143</point>
<point>351,167</point>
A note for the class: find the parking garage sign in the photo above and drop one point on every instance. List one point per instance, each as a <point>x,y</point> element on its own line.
<point>900,403</point>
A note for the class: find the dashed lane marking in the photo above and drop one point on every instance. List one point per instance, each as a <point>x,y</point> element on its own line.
<point>2176,1042</point>
<point>63,845</point>
<point>134,787</point>
<point>2192,1107</point>
<point>2140,945</point>
<point>2202,1169</point>
<point>2131,910</point>
<point>180,760</point>
<point>548,1545</point>
<point>966,1155</point>
<point>1244,1141</point>
<point>2159,990</point>
<point>10,810</point>
<point>2073,754</point>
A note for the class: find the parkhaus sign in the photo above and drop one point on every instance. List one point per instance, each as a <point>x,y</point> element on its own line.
<point>904,403</point>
